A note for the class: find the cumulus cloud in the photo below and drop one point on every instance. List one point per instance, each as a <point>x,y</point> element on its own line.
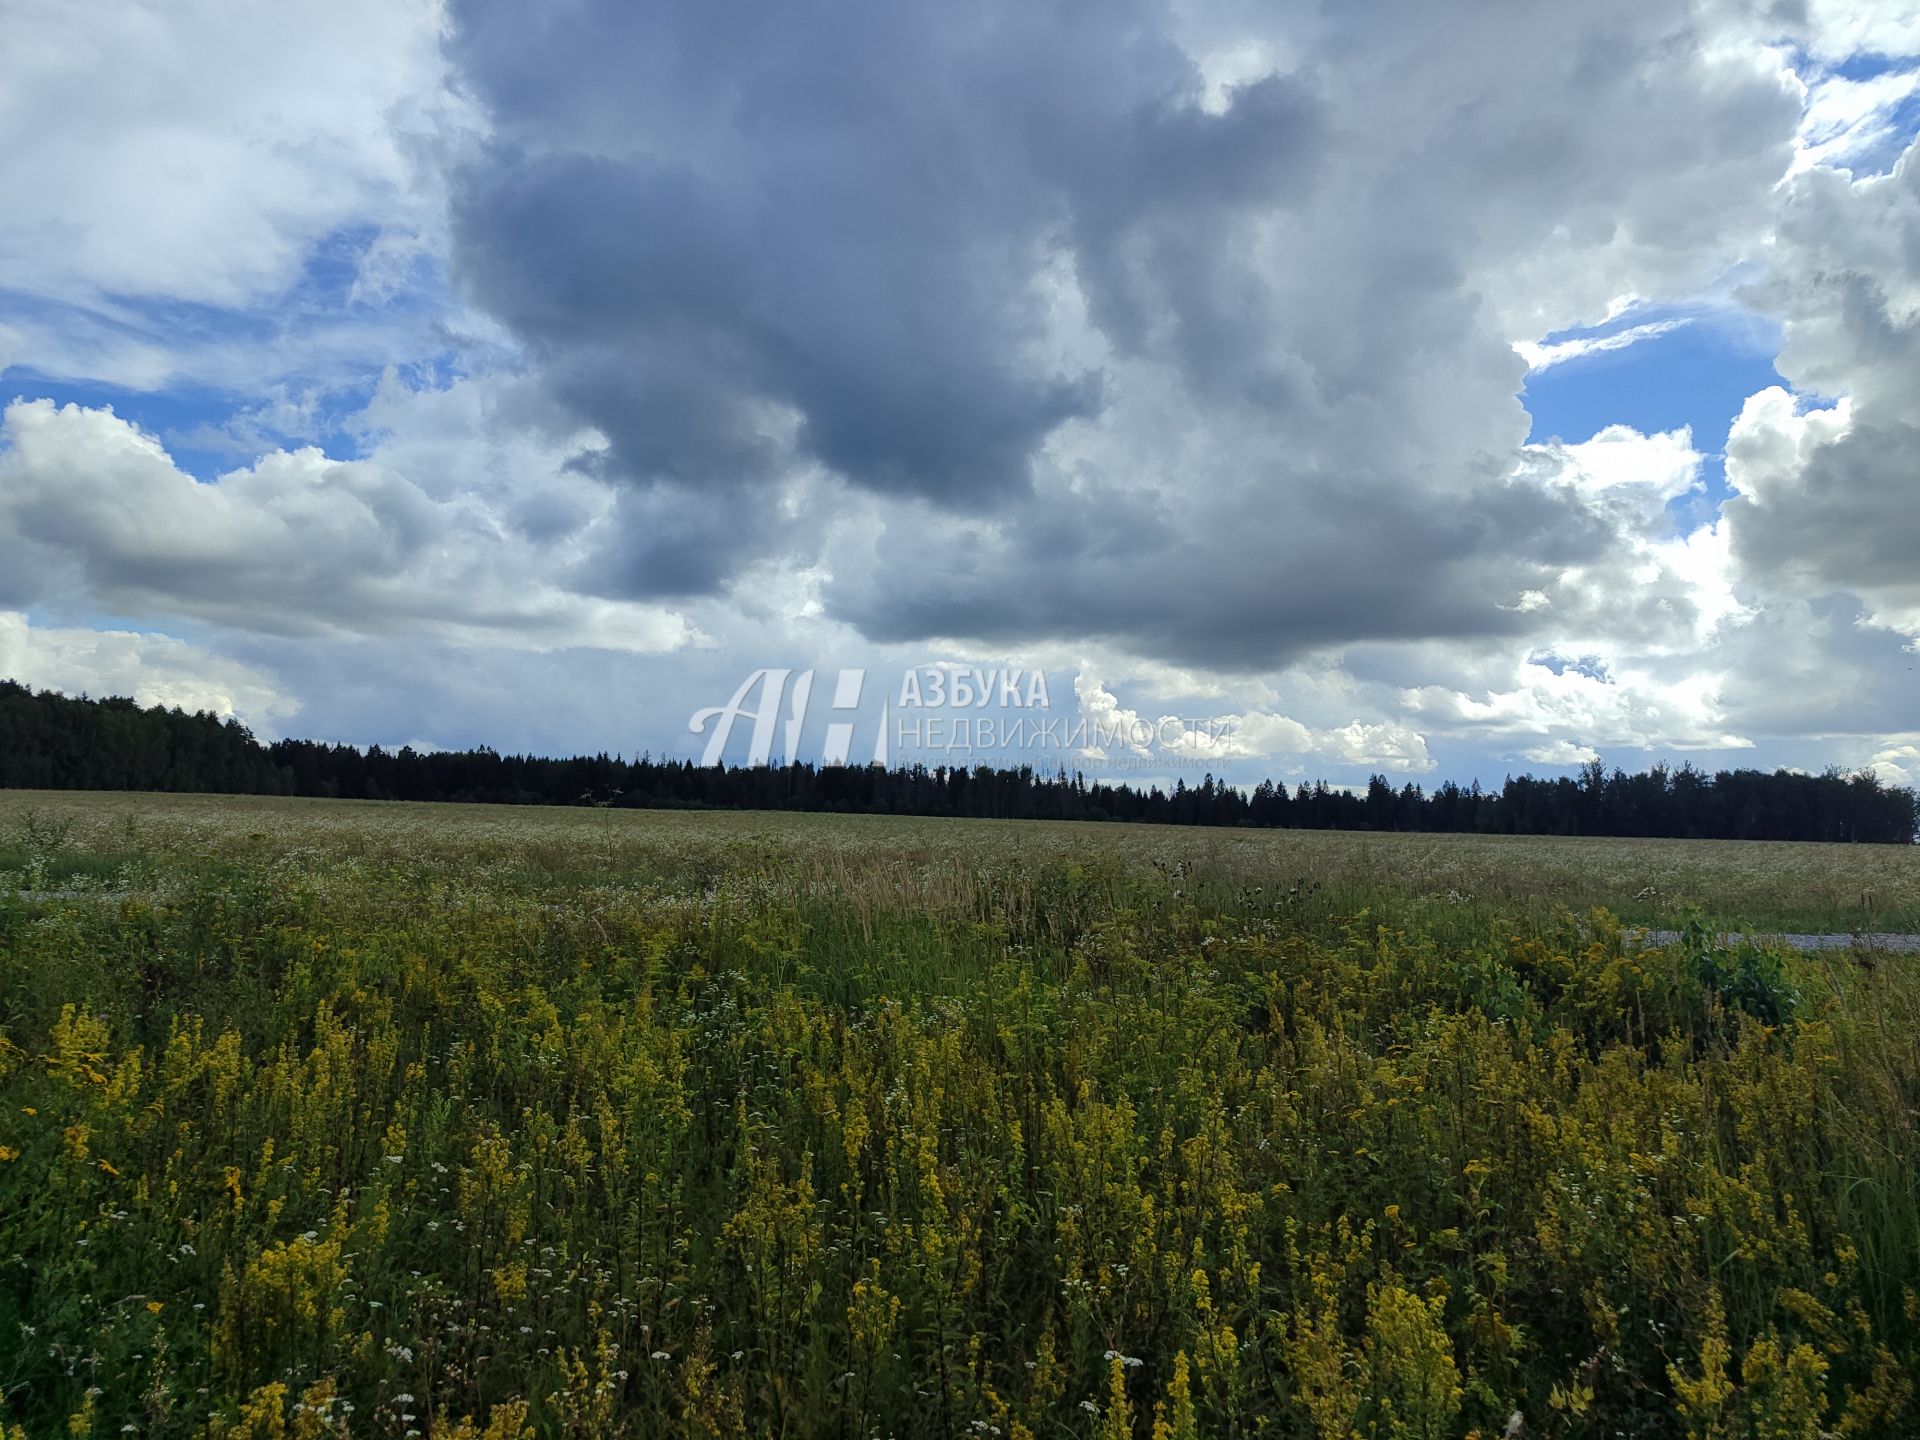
<point>1550,702</point>
<point>1833,30</point>
<point>1105,343</point>
<point>1897,764</point>
<point>209,195</point>
<point>1826,501</point>
<point>1561,752</point>
<point>152,669</point>
<point>1221,739</point>
<point>93,512</point>
<point>198,150</point>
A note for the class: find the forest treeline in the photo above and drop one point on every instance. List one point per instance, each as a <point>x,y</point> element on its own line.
<point>51,741</point>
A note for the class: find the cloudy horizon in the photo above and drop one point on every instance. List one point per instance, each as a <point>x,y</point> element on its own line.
<point>1437,390</point>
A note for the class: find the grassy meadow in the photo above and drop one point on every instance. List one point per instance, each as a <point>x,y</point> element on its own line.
<point>325,1118</point>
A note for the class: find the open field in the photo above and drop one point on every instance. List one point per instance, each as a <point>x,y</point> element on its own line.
<point>1768,886</point>
<point>323,1118</point>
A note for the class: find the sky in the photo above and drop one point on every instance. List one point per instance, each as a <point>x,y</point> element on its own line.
<point>1438,390</point>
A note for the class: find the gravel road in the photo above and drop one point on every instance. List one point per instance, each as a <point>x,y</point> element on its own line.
<point>1876,940</point>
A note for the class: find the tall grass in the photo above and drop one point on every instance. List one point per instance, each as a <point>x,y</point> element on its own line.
<point>315,1123</point>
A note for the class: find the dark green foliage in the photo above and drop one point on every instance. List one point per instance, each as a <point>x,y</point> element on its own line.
<point>1742,976</point>
<point>51,742</point>
<point>48,741</point>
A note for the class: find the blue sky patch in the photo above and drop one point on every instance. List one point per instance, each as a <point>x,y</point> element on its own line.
<point>1698,374</point>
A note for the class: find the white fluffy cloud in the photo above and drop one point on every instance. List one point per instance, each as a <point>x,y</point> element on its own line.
<point>197,150</point>
<point>153,669</point>
<point>94,514</point>
<point>1561,752</point>
<point>1548,705</point>
<point>1251,735</point>
<point>1826,501</point>
<point>222,195</point>
<point>1897,764</point>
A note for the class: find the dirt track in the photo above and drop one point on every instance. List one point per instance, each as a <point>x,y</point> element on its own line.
<point>1876,940</point>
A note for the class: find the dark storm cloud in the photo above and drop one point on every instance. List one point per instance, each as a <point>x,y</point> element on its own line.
<point>1236,598</point>
<point>1100,344</point>
<point>1850,521</point>
<point>700,219</point>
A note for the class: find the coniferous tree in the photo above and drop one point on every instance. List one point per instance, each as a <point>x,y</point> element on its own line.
<point>51,741</point>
